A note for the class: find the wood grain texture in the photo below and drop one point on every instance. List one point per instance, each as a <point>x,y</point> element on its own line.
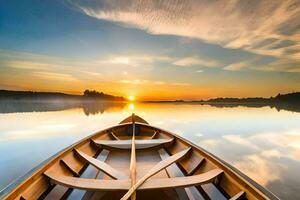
<point>139,144</point>
<point>173,170</point>
<point>238,196</point>
<point>112,185</point>
<point>107,169</point>
<point>157,168</point>
<point>114,136</point>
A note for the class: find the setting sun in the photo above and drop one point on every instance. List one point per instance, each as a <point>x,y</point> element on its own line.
<point>131,98</point>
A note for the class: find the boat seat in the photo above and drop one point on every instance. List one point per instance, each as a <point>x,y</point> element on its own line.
<point>59,191</point>
<point>89,173</point>
<point>174,171</point>
<point>111,185</point>
<point>139,144</point>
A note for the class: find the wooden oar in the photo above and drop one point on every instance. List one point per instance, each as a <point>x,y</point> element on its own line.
<point>154,170</point>
<point>133,160</point>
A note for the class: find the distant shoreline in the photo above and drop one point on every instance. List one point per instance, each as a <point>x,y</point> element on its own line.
<point>88,95</point>
<point>280,98</point>
<point>91,95</point>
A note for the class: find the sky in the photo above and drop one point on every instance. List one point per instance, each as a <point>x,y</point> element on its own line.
<point>170,49</point>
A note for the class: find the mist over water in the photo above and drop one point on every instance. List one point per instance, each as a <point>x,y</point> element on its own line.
<point>262,142</point>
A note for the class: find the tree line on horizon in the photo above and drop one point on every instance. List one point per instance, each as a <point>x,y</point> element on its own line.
<point>290,97</point>
<point>31,95</point>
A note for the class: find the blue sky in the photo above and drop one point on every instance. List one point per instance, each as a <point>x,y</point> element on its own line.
<point>188,49</point>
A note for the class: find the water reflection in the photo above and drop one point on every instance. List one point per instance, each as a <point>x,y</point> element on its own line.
<point>89,107</point>
<point>261,142</point>
<point>294,107</point>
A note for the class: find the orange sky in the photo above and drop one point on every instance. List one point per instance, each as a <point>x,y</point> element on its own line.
<point>154,51</point>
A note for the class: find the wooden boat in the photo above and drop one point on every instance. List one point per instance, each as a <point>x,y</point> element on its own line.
<point>134,160</point>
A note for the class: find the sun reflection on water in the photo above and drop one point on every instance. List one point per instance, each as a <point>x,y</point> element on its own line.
<point>131,106</point>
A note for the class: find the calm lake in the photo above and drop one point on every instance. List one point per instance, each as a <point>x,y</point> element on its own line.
<point>262,142</point>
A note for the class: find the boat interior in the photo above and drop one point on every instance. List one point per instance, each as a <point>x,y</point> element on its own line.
<point>134,160</point>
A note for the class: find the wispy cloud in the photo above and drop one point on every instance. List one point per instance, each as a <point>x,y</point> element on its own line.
<point>195,60</point>
<point>155,82</point>
<point>262,27</point>
<point>134,60</point>
<point>22,64</point>
<point>281,65</point>
<point>55,76</point>
<point>277,65</point>
<point>241,65</point>
<point>135,82</point>
<point>180,84</point>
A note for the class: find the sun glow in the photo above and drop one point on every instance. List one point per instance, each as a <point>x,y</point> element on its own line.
<point>131,98</point>
<point>131,106</point>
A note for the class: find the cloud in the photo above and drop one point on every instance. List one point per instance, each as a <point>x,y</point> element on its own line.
<point>263,27</point>
<point>239,140</point>
<point>159,83</point>
<point>134,60</point>
<point>240,65</point>
<point>180,84</point>
<point>23,64</point>
<point>54,76</point>
<point>235,66</point>
<point>135,82</point>
<point>143,82</point>
<point>194,60</point>
<point>259,169</point>
<point>262,64</point>
<point>279,144</point>
<point>281,65</point>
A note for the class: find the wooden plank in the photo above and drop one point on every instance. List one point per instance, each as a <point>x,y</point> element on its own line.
<point>239,196</point>
<point>90,172</point>
<point>136,118</point>
<point>112,185</point>
<point>72,163</point>
<point>114,136</point>
<point>173,171</point>
<point>211,191</point>
<point>74,171</point>
<point>35,190</point>
<point>57,192</point>
<point>146,160</point>
<point>107,169</point>
<point>157,168</point>
<point>139,144</point>
<point>154,135</point>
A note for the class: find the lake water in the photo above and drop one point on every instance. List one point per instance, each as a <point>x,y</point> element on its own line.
<point>262,142</point>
